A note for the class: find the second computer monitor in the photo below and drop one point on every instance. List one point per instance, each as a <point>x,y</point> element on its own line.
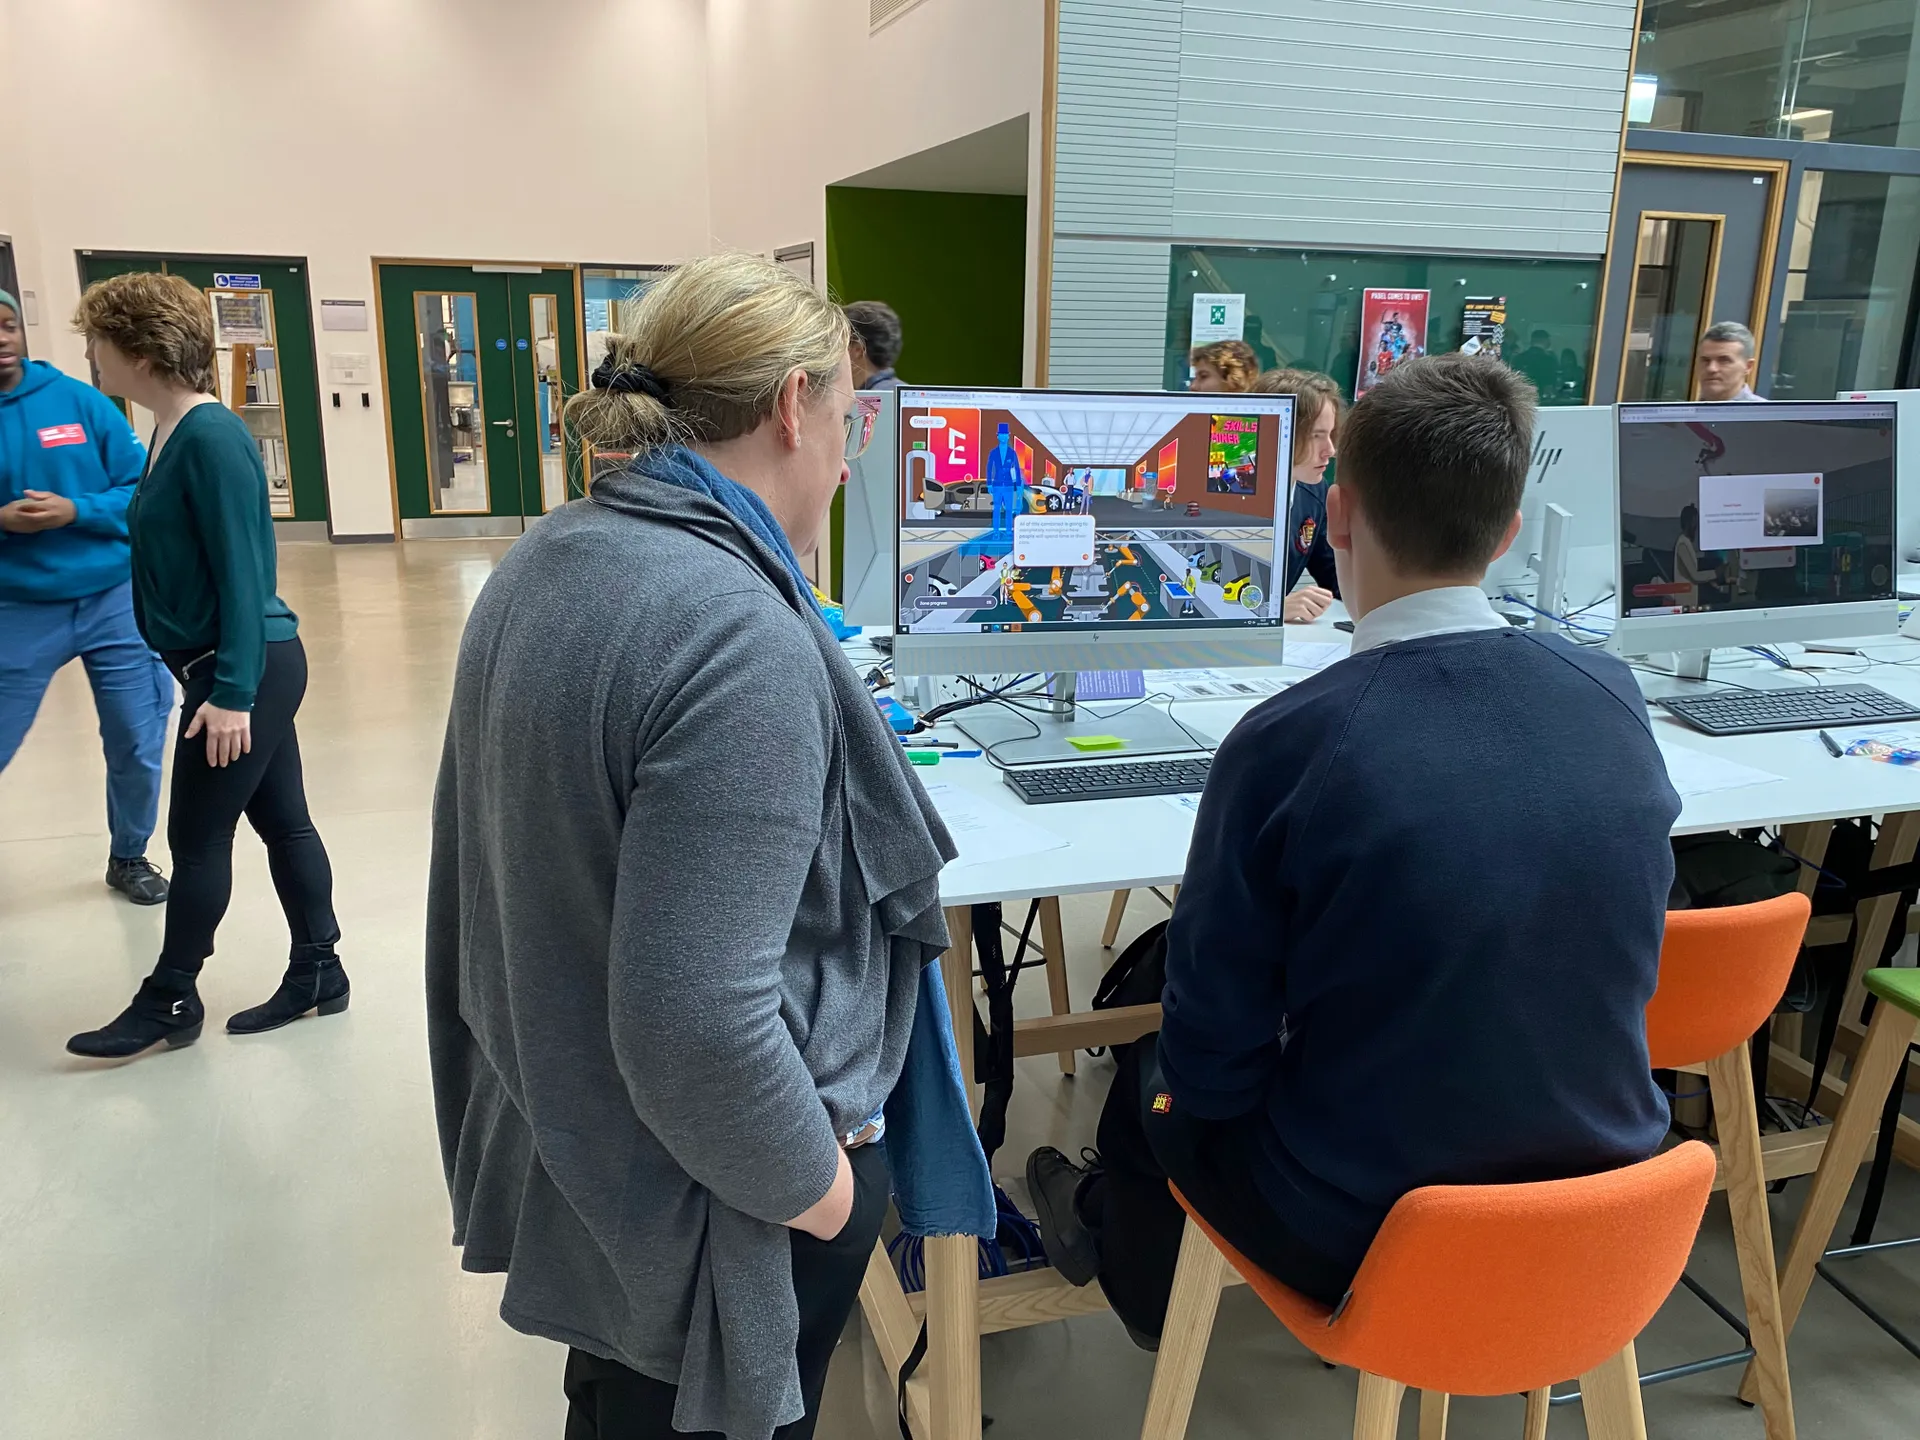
<point>1073,530</point>
<point>1747,524</point>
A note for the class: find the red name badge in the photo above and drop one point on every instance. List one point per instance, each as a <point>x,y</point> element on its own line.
<point>62,435</point>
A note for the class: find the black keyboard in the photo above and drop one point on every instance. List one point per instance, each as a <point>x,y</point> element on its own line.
<point>1081,780</point>
<point>1755,712</point>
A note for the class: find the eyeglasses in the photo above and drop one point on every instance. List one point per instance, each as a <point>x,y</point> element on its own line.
<point>860,422</point>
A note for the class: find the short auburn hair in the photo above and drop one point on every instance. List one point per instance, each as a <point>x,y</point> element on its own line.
<point>161,319</point>
<point>1437,455</point>
<point>1312,393</point>
<point>1234,359</point>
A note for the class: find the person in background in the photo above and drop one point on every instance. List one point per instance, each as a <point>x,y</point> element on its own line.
<point>1538,364</point>
<point>1224,367</point>
<point>874,345</point>
<point>1687,568</point>
<point>68,465</point>
<point>1355,1006</point>
<point>1316,426</point>
<point>1723,366</point>
<point>203,593</point>
<point>1006,483</point>
<point>678,937</point>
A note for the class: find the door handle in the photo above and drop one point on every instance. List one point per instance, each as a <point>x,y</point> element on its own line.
<point>508,424</point>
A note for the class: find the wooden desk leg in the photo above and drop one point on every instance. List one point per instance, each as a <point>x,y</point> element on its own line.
<point>1197,1278</point>
<point>1376,1415</point>
<point>1610,1394</point>
<point>956,968</point>
<point>953,1336</point>
<point>1053,940</point>
<point>1116,912</point>
<point>1539,1406</point>
<point>1881,1057</point>
<point>1730,1077</point>
<point>894,1331</point>
<point>1899,836</point>
<point>1433,1414</point>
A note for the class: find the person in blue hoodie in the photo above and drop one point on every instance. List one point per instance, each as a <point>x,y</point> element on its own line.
<point>68,466</point>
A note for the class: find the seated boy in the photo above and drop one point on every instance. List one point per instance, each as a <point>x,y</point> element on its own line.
<point>1422,913</point>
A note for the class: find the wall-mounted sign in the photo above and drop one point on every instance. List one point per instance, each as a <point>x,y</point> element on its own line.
<point>1218,317</point>
<point>241,319</point>
<point>236,282</point>
<point>343,315</point>
<point>345,368</point>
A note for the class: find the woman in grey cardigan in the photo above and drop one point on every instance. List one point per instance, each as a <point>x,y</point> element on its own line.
<point>683,888</point>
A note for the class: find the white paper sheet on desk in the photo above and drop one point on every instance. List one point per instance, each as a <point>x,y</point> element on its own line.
<point>1315,655</point>
<point>1188,805</point>
<point>1695,772</point>
<point>984,834</point>
<point>1212,685</point>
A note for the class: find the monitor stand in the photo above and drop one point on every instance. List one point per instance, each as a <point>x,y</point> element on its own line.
<point>1044,733</point>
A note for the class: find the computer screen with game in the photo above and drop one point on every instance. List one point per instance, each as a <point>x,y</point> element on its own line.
<point>1061,530</point>
<point>1755,524</point>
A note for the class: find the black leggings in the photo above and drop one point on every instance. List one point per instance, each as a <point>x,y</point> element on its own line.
<point>607,1401</point>
<point>265,785</point>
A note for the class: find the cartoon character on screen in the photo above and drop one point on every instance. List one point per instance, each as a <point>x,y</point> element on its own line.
<point>1006,483</point>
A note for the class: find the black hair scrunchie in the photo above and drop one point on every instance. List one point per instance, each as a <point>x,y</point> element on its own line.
<point>630,380</point>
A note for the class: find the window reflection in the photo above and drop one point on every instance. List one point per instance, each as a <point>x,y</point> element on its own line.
<point>1783,69</point>
<point>1850,276</point>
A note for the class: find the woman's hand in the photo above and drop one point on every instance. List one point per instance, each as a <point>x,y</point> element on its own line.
<point>828,1216</point>
<point>229,735</point>
<point>1305,605</point>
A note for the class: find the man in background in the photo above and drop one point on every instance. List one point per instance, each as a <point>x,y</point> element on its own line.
<point>1723,366</point>
<point>1006,483</point>
<point>68,465</point>
<point>1538,364</point>
<point>875,345</point>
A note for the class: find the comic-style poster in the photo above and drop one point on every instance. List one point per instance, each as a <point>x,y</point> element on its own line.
<point>1393,330</point>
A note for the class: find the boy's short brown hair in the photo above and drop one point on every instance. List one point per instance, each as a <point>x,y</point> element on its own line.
<point>1437,455</point>
<point>1234,359</point>
<point>161,319</point>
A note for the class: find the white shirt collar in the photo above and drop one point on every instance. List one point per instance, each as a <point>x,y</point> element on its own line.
<point>1449,610</point>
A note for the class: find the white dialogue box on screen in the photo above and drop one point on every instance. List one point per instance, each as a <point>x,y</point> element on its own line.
<point>1053,540</point>
<point>1760,512</point>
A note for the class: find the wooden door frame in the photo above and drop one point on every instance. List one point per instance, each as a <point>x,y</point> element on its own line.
<point>380,328</point>
<point>1779,176</point>
<point>1719,223</point>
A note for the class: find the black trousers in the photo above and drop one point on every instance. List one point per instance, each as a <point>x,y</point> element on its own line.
<point>1137,1223</point>
<point>607,1401</point>
<point>265,785</point>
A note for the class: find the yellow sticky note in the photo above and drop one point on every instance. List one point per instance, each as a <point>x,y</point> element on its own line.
<point>1096,742</point>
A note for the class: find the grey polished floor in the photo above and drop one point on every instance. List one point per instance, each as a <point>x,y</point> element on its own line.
<point>248,1238</point>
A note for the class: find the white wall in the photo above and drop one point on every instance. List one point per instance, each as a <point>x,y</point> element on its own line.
<point>345,129</point>
<point>17,220</point>
<point>800,96</point>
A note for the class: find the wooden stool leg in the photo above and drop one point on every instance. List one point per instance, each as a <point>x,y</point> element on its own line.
<point>1377,1415</point>
<point>1053,940</point>
<point>953,1336</point>
<point>1183,1343</point>
<point>1116,912</point>
<point>1433,1414</point>
<point>1538,1408</point>
<point>1737,1120</point>
<point>1881,1057</point>
<point>1610,1395</point>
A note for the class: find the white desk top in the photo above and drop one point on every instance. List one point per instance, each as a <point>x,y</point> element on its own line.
<point>1133,844</point>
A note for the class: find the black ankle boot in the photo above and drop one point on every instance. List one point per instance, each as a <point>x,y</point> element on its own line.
<point>309,984</point>
<point>167,1009</point>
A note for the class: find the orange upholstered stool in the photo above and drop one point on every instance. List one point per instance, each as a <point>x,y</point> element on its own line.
<point>1722,972</point>
<point>1472,1290</point>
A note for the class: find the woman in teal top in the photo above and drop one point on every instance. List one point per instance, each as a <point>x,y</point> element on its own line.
<point>203,594</point>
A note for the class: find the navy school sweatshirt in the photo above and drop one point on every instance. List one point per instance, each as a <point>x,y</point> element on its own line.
<point>1420,925</point>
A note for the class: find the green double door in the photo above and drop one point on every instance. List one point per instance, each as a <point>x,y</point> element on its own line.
<point>479,363</point>
<point>264,367</point>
